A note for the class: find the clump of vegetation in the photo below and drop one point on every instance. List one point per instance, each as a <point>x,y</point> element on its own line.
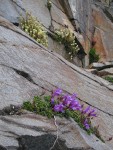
<point>66,37</point>
<point>109,78</point>
<point>49,5</point>
<point>34,28</point>
<point>64,105</point>
<point>93,56</point>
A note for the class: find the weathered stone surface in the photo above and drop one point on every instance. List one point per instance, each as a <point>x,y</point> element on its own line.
<point>14,92</point>
<point>78,11</point>
<point>28,69</point>
<point>110,70</point>
<point>97,65</point>
<point>35,127</point>
<point>101,66</point>
<point>13,9</point>
<point>26,59</point>
<point>103,35</point>
<point>38,9</point>
<point>93,71</point>
<point>106,72</point>
<point>94,19</point>
<point>57,47</point>
<point>60,18</point>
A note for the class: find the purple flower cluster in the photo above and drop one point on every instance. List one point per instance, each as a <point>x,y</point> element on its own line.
<point>86,124</point>
<point>64,101</point>
<point>90,112</point>
<point>61,102</point>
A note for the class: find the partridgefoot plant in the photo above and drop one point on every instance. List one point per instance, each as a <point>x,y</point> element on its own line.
<point>34,28</point>
<point>67,37</point>
<point>49,4</point>
<point>64,105</point>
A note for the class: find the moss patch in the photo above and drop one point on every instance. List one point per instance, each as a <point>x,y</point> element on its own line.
<point>93,56</point>
<point>109,78</point>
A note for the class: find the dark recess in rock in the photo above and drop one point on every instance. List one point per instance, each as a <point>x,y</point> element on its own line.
<point>108,14</point>
<point>81,53</point>
<point>104,67</point>
<point>16,23</point>
<point>2,148</point>
<point>11,148</point>
<point>43,142</point>
<point>25,75</point>
<point>10,110</point>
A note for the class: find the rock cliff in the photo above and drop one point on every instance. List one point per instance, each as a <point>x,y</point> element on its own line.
<point>28,69</point>
<point>94,20</point>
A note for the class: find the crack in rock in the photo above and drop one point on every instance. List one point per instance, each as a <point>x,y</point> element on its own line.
<point>35,128</point>
<point>59,58</point>
<point>29,78</point>
<point>95,107</point>
<point>19,5</point>
<point>26,76</point>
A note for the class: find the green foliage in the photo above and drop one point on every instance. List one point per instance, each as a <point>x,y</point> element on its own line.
<point>66,37</point>
<point>43,107</point>
<point>39,106</point>
<point>108,78</point>
<point>93,57</point>
<point>33,27</point>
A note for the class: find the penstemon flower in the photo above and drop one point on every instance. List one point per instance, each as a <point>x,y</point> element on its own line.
<point>57,92</point>
<point>86,125</point>
<point>86,110</point>
<point>59,107</point>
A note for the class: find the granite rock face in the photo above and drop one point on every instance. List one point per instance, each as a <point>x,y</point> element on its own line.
<point>94,20</point>
<point>28,69</point>
<point>91,21</point>
<point>57,18</point>
<point>103,35</point>
<point>103,32</point>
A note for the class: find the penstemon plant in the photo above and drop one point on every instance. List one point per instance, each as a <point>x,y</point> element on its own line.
<point>64,105</point>
<point>69,103</point>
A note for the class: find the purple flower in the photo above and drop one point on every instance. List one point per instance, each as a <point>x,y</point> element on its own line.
<point>75,105</point>
<point>67,97</point>
<point>92,113</point>
<point>86,125</point>
<point>86,110</point>
<point>74,95</point>
<point>89,112</point>
<point>59,107</point>
<point>79,107</point>
<point>57,92</point>
<point>52,100</point>
<point>67,100</point>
